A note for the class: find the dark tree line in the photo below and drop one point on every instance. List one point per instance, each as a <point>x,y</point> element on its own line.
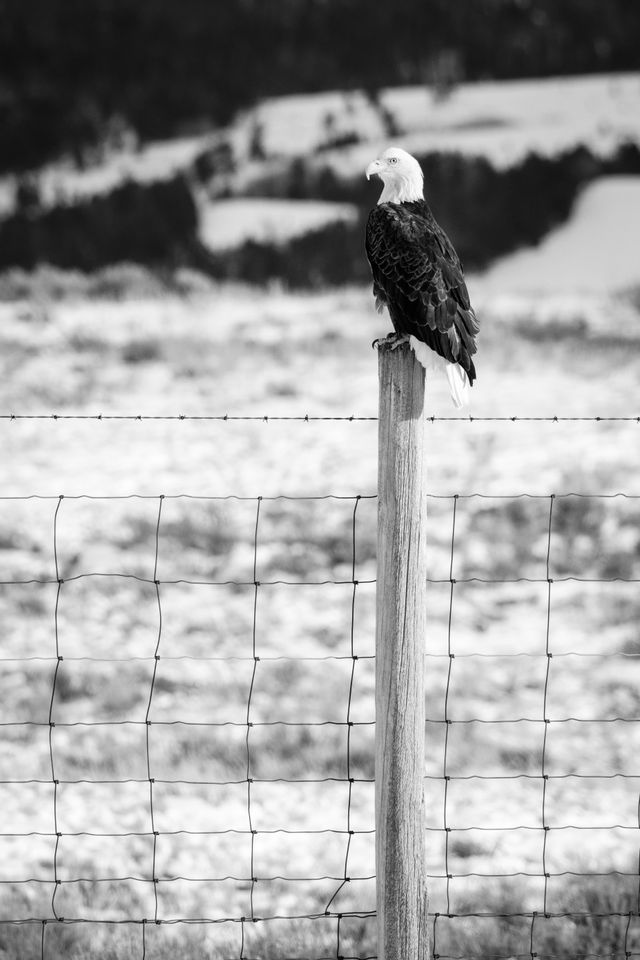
<point>150,223</point>
<point>69,66</point>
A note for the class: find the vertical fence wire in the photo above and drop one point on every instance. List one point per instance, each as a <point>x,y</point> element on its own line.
<point>545,718</point>
<point>447,721</point>
<point>255,658</point>
<point>58,662</point>
<point>156,658</point>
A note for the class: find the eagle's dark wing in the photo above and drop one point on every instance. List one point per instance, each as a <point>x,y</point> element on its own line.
<point>417,274</point>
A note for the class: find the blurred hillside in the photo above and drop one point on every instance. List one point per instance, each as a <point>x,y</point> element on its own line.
<point>280,193</point>
<point>74,72</point>
<point>232,138</point>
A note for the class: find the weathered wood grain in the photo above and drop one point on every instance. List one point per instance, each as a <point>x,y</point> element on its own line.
<point>400,643</point>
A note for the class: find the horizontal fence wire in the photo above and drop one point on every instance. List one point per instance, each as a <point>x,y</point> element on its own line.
<point>304,418</point>
<point>228,787</point>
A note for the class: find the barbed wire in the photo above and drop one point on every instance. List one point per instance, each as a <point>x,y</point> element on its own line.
<point>306,418</point>
<point>314,497</point>
<point>272,889</point>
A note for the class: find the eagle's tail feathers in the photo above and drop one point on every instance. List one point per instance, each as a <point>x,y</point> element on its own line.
<point>458,384</point>
<point>424,354</point>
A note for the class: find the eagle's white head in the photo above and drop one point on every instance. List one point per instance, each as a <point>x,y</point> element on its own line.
<point>401,176</point>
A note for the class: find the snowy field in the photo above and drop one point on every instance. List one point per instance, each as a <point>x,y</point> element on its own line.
<point>560,336</point>
<point>237,351</point>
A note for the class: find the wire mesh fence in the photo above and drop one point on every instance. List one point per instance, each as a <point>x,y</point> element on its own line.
<point>535,826</point>
<point>187,724</point>
<point>183,746</point>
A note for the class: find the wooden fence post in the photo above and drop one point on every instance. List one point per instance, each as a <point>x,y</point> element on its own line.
<point>400,641</point>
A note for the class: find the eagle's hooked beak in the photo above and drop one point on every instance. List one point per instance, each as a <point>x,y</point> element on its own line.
<point>373,169</point>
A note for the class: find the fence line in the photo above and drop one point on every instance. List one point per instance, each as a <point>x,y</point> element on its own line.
<point>556,766</point>
<point>303,418</point>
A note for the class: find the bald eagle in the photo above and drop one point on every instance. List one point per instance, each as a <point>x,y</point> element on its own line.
<point>418,276</point>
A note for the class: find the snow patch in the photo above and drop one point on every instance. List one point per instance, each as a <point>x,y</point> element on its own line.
<point>595,252</point>
<point>225,224</point>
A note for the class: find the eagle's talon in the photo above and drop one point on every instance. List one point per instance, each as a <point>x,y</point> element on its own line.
<point>392,340</point>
